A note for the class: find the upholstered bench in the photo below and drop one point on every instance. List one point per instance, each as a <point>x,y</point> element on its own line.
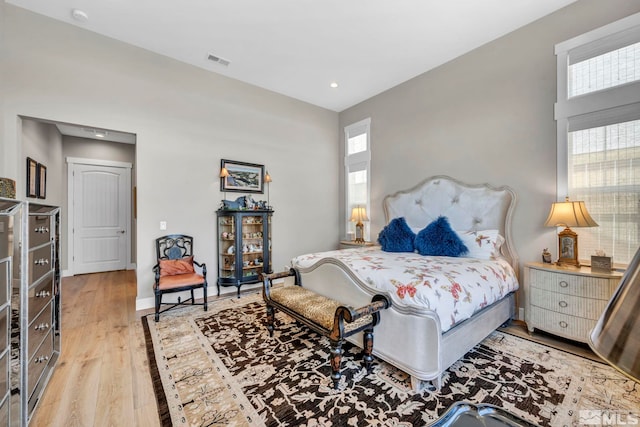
<point>324,315</point>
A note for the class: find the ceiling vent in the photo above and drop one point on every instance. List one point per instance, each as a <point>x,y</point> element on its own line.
<point>221,61</point>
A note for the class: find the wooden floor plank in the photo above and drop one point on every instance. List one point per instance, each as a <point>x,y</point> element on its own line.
<point>102,377</point>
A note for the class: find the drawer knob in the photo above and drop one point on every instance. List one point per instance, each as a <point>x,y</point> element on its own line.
<point>42,326</point>
<point>563,324</point>
<point>42,229</point>
<point>563,304</point>
<point>41,261</point>
<point>563,284</point>
<point>43,294</point>
<point>42,359</point>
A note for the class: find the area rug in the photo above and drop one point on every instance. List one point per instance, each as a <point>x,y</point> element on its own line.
<point>221,368</point>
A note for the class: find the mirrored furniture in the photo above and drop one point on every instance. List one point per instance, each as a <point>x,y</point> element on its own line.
<point>35,307</point>
<point>12,227</point>
<point>244,246</point>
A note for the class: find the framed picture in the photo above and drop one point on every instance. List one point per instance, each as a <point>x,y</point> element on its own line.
<point>243,177</point>
<point>32,178</point>
<point>42,181</point>
<point>568,248</point>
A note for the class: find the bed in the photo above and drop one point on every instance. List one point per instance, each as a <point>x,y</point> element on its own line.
<point>424,339</point>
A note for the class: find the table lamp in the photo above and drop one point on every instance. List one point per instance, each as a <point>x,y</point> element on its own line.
<point>615,337</point>
<point>267,180</point>
<point>224,173</point>
<point>359,214</point>
<point>569,214</point>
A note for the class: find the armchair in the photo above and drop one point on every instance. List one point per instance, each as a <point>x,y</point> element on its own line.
<point>175,271</point>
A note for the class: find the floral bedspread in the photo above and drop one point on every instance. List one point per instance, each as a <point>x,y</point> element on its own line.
<point>454,288</point>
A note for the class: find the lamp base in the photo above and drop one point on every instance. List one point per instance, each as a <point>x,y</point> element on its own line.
<point>568,248</point>
<point>359,240</point>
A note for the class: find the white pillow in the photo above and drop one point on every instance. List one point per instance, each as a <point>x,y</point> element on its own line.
<point>482,244</point>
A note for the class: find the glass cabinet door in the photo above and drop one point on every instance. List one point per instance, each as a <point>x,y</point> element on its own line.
<point>252,247</point>
<point>226,247</point>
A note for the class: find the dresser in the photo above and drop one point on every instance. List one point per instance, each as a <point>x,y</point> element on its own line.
<point>35,306</point>
<point>566,301</point>
<point>13,215</point>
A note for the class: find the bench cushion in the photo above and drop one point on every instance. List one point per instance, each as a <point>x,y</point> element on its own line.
<point>320,310</point>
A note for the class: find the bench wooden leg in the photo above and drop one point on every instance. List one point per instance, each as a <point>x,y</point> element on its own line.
<point>336,362</point>
<point>270,319</point>
<point>367,345</point>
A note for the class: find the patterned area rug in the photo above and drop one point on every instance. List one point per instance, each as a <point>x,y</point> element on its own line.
<point>221,368</point>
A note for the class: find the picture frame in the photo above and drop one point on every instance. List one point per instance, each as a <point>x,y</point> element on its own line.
<point>243,177</point>
<point>42,181</point>
<point>568,248</point>
<point>32,177</point>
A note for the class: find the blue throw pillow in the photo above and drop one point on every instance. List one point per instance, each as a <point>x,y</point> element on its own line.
<point>397,236</point>
<point>438,239</point>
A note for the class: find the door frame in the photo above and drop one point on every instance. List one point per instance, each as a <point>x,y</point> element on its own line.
<point>72,161</point>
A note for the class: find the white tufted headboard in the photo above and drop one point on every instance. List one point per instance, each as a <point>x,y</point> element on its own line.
<point>467,207</point>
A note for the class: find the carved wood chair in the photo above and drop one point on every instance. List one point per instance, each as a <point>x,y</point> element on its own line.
<point>175,271</point>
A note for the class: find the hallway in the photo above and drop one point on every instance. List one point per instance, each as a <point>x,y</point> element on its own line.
<point>102,377</point>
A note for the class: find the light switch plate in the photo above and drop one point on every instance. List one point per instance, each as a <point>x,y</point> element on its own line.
<point>163,225</point>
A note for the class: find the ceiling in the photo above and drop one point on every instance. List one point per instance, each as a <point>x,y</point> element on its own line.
<point>299,47</point>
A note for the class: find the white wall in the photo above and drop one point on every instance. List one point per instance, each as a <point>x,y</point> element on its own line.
<point>185,119</point>
<point>487,116</point>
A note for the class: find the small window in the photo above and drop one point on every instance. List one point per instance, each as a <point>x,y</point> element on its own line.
<point>604,71</point>
<point>357,172</point>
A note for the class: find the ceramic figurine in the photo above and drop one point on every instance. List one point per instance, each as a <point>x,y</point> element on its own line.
<point>546,256</point>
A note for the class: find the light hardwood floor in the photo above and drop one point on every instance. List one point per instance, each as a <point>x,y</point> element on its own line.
<point>102,378</point>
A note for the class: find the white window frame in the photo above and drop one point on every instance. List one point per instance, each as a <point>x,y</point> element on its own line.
<point>363,161</point>
<point>616,104</point>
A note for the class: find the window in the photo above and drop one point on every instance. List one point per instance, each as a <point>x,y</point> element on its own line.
<point>598,114</point>
<point>357,171</point>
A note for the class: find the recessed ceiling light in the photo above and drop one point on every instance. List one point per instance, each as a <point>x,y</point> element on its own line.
<point>334,85</point>
<point>100,133</point>
<point>79,15</point>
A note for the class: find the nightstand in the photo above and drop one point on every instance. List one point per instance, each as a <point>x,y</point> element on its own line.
<point>350,244</point>
<point>566,301</point>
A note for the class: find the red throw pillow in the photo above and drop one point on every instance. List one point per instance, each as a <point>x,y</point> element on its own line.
<point>172,267</point>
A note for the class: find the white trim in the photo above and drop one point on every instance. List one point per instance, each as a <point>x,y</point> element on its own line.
<point>599,33</point>
<point>72,161</point>
<point>98,162</point>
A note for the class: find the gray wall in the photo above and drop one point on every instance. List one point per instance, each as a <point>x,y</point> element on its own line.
<point>185,119</point>
<point>484,117</point>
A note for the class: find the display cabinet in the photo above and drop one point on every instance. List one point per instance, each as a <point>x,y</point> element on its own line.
<point>244,246</point>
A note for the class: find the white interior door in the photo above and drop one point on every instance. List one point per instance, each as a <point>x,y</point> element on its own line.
<point>101,215</point>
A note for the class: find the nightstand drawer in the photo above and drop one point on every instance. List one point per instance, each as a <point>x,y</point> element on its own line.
<point>572,284</point>
<point>568,304</point>
<point>576,328</point>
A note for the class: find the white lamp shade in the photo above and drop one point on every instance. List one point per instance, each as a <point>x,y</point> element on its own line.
<point>359,214</point>
<point>569,214</point>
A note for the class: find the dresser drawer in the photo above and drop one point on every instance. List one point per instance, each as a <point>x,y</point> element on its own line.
<point>40,263</point>
<point>572,284</point>
<point>39,230</point>
<point>576,328</point>
<point>39,362</point>
<point>38,329</point>
<point>568,304</point>
<point>39,296</point>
